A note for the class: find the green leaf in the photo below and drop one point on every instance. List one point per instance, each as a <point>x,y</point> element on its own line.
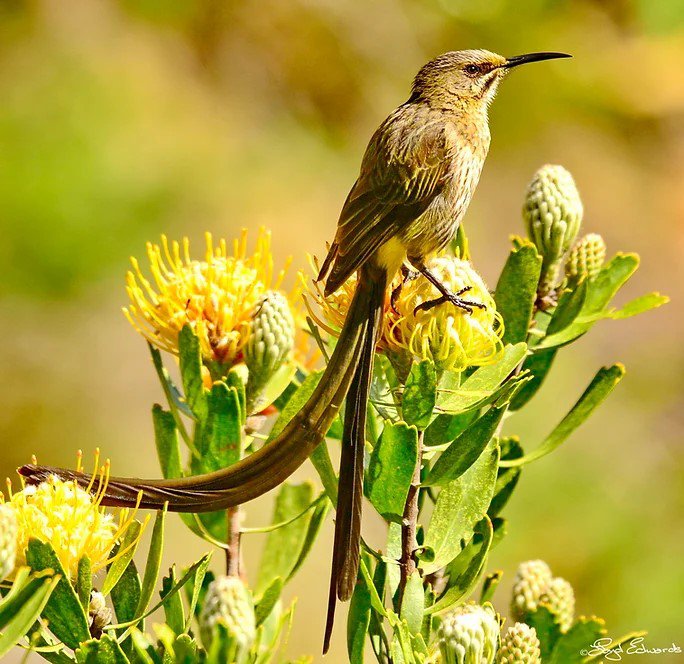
<point>129,544</point>
<point>235,380</point>
<point>173,606</point>
<point>413,603</point>
<point>318,516</point>
<point>84,582</point>
<point>516,291</point>
<point>482,383</point>
<point>220,442</point>
<point>173,395</point>
<point>295,403</point>
<point>460,505</point>
<point>569,307</point>
<point>64,612</point>
<point>548,630</point>
<point>320,459</point>
<point>198,577</point>
<point>143,649</point>
<point>639,306</point>
<point>284,546</point>
<point>104,650</point>
<point>190,361</point>
<point>572,647</point>
<point>418,401</point>
<point>600,387</point>
<point>391,469</point>
<point>507,478</point>
<point>358,622</point>
<point>466,568</point>
<point>20,611</point>
<point>153,564</point>
<point>465,450</point>
<point>489,586</point>
<point>445,428</point>
<point>375,600</point>
<point>166,440</point>
<point>269,598</point>
<point>125,597</point>
<point>537,366</point>
<point>596,654</point>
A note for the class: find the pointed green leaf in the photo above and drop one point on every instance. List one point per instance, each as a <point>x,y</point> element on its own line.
<point>129,544</point>
<point>570,306</point>
<point>489,586</point>
<point>235,380</point>
<point>173,606</point>
<point>20,612</point>
<point>640,305</point>
<point>295,403</point>
<point>600,387</point>
<point>104,650</point>
<point>84,582</point>
<point>358,622</point>
<point>507,478</point>
<point>173,395</point>
<point>445,428</point>
<point>572,647</point>
<point>548,630</point>
<point>466,569</point>
<point>283,546</point>
<point>318,516</point>
<point>538,366</point>
<point>63,611</point>
<point>419,398</point>
<point>482,383</point>
<point>516,291</point>
<point>190,361</point>
<point>460,505</point>
<point>166,440</point>
<point>320,459</point>
<point>391,469</point>
<point>153,564</point>
<point>268,599</point>
<point>465,450</point>
<point>220,441</point>
<point>413,603</point>
<point>126,593</point>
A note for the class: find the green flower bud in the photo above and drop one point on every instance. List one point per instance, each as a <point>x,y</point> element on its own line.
<point>559,599</point>
<point>519,645</point>
<point>586,258</point>
<point>469,635</point>
<point>8,540</point>
<point>228,604</point>
<point>553,214</point>
<point>531,582</point>
<point>99,614</point>
<point>270,341</point>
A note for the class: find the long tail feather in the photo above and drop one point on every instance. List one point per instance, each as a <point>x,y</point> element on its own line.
<point>260,472</point>
<point>346,550</point>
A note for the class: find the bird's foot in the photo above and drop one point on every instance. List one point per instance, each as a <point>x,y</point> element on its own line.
<point>452,298</point>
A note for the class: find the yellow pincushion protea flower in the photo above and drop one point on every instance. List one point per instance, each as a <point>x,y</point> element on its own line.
<point>70,519</point>
<point>216,296</point>
<point>449,336</point>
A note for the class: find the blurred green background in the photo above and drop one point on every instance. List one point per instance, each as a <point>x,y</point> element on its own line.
<point>123,120</point>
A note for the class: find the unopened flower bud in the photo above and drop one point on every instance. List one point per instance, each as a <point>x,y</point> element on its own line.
<point>559,599</point>
<point>586,258</point>
<point>519,645</point>
<point>228,603</point>
<point>270,341</point>
<point>469,635</point>
<point>8,540</point>
<point>553,214</point>
<point>531,582</point>
<point>99,614</point>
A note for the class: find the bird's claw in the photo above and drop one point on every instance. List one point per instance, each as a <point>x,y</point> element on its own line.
<point>452,298</point>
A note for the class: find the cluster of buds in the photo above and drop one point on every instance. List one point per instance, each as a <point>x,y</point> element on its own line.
<point>469,635</point>
<point>228,615</point>
<point>585,259</point>
<point>454,339</point>
<point>99,614</point>
<point>519,645</point>
<point>535,587</point>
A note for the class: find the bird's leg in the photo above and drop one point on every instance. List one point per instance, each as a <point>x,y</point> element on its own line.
<point>407,274</point>
<point>447,295</point>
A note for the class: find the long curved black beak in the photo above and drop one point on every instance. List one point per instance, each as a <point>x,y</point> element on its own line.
<point>533,57</point>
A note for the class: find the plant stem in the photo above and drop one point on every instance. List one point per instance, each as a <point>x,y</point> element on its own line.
<point>409,524</point>
<point>233,566</point>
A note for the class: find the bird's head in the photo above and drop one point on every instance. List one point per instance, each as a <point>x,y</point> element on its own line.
<point>468,77</point>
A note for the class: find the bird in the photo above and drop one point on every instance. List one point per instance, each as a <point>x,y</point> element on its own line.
<point>417,177</point>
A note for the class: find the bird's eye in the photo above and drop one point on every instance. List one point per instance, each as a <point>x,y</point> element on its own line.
<point>472,70</point>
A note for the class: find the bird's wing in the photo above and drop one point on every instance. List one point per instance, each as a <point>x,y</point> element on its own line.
<point>403,169</point>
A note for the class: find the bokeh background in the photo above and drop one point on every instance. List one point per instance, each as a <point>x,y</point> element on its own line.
<point>121,120</point>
